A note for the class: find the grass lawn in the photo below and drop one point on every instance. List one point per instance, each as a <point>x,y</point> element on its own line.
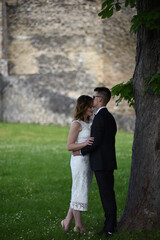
<point>35,185</point>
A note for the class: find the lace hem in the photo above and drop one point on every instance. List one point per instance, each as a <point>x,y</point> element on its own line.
<point>79,206</point>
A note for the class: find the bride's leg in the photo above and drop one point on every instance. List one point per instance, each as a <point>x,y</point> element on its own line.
<point>69,216</point>
<point>78,221</point>
<point>68,219</point>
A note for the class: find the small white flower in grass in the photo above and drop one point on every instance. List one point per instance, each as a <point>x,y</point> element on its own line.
<point>49,211</point>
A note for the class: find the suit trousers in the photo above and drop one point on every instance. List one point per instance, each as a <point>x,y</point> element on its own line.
<point>105,181</point>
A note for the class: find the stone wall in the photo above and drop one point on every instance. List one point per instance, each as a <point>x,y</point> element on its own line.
<point>3,48</point>
<point>3,40</point>
<point>58,50</point>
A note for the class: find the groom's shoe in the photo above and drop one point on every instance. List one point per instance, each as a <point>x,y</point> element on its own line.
<point>107,234</point>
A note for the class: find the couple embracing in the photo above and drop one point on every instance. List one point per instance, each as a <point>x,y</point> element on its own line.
<point>93,150</point>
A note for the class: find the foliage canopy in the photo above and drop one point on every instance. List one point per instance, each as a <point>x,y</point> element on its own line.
<point>149,19</point>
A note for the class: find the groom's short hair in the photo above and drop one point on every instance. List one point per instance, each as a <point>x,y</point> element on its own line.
<point>105,92</point>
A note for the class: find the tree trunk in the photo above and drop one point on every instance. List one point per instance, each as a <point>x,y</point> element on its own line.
<point>142,209</point>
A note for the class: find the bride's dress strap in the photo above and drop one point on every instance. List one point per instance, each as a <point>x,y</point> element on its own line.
<point>77,120</point>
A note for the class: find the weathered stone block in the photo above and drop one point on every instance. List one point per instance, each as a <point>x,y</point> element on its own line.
<point>12,2</point>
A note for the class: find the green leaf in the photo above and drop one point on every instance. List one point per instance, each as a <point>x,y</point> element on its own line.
<point>132,3</point>
<point>107,9</point>
<point>109,5</point>
<point>118,7</point>
<point>106,13</point>
<point>106,4</point>
<point>125,92</point>
<point>153,83</point>
<point>126,3</point>
<point>110,13</point>
<point>148,19</point>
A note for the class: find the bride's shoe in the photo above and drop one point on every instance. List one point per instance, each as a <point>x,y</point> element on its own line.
<point>63,226</point>
<point>79,230</point>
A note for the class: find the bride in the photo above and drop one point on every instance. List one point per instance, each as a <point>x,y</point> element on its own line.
<point>79,137</point>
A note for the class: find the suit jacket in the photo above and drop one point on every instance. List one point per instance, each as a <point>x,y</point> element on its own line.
<point>102,152</point>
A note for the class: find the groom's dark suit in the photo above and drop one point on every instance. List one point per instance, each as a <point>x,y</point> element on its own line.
<point>103,163</point>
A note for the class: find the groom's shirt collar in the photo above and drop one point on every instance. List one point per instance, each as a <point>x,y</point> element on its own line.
<point>100,109</point>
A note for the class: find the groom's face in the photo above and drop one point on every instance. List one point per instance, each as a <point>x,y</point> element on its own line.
<point>96,98</point>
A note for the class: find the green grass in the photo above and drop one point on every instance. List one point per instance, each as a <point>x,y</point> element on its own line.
<point>35,184</point>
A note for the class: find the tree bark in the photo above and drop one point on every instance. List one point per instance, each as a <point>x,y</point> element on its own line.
<point>142,209</point>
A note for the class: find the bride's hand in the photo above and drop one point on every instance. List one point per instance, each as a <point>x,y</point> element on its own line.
<point>90,141</point>
<point>76,153</point>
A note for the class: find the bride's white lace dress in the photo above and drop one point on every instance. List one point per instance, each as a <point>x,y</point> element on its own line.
<point>81,174</point>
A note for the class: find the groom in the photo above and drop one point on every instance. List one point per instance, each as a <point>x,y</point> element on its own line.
<point>103,157</point>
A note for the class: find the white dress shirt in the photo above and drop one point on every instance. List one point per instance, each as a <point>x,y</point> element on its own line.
<point>100,109</point>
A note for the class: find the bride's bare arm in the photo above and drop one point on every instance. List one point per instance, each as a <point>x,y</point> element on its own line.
<point>73,134</point>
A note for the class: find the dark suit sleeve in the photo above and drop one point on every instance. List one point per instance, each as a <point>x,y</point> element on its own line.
<point>97,132</point>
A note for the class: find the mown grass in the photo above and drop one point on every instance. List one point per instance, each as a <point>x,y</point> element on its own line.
<point>35,184</point>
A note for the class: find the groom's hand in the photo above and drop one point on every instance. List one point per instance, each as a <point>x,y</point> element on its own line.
<point>76,153</point>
